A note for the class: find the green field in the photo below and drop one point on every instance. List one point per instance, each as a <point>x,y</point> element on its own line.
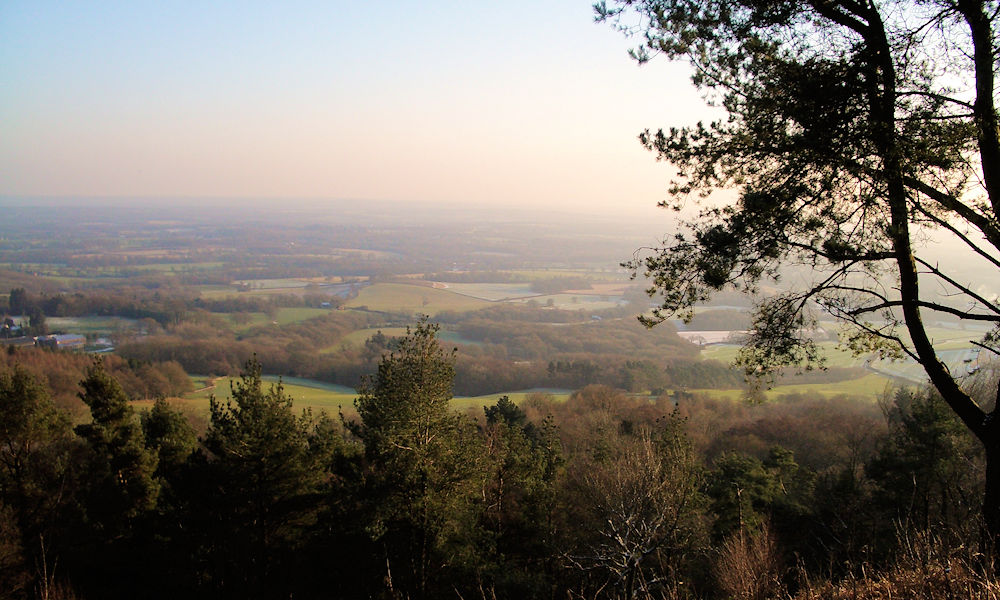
<point>178,267</point>
<point>320,396</point>
<point>954,346</point>
<point>587,302</point>
<point>357,338</point>
<point>835,357</point>
<point>872,386</point>
<point>531,274</point>
<point>305,393</point>
<point>412,299</point>
<point>476,403</point>
<point>262,287</point>
<point>273,284</point>
<point>492,291</point>
<point>330,398</point>
<point>90,325</point>
<point>284,316</point>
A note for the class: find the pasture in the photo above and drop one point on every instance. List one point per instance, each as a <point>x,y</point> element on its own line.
<point>475,404</point>
<point>954,345</point>
<point>272,284</point>
<point>594,275</point>
<point>320,396</point>
<point>283,316</point>
<point>588,302</point>
<point>412,299</point>
<point>494,292</point>
<point>871,386</point>
<point>834,355</point>
<point>305,393</point>
<point>92,325</point>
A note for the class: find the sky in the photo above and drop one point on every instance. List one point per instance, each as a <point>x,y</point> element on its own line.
<point>519,103</point>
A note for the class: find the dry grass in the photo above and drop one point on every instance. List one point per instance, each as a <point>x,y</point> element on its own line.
<point>925,570</point>
<point>749,566</point>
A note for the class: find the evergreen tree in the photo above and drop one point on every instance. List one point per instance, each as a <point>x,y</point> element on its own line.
<point>423,465</point>
<point>120,467</point>
<point>852,130</point>
<point>524,465</point>
<point>169,434</point>
<point>118,490</point>
<point>921,470</point>
<point>38,459</point>
<point>257,489</point>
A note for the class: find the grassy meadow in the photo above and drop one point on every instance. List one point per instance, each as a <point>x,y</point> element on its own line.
<point>412,299</point>
<point>320,396</point>
<point>93,325</point>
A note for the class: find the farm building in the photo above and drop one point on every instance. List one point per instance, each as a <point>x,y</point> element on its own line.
<point>69,341</point>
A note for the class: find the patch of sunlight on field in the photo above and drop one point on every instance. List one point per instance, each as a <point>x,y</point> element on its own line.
<point>491,291</point>
<point>465,403</point>
<point>305,393</point>
<point>412,299</point>
<point>272,284</point>
<point>588,302</point>
<point>178,267</point>
<point>835,357</point>
<point>872,386</point>
<point>357,338</point>
<point>284,316</point>
<point>724,353</point>
<point>322,396</point>
<point>95,325</point>
<point>531,274</point>
<point>298,314</point>
<point>217,292</point>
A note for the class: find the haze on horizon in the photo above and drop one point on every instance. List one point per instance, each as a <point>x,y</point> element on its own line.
<point>526,104</point>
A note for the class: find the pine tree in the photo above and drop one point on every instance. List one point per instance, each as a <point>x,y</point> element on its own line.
<point>259,488</point>
<point>120,467</point>
<point>423,464</point>
<point>37,457</point>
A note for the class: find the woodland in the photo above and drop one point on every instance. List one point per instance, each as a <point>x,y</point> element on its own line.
<point>602,495</point>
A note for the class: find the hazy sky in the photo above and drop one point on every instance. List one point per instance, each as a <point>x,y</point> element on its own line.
<point>474,102</point>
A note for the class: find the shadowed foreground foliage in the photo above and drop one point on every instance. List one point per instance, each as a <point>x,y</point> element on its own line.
<point>602,496</point>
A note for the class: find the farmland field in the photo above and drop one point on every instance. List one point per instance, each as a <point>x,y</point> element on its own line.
<point>412,299</point>
<point>476,403</point>
<point>954,346</point>
<point>588,274</point>
<point>90,325</point>
<point>871,386</point>
<point>573,301</point>
<point>298,314</point>
<point>305,393</point>
<point>272,284</point>
<point>321,396</point>
<point>357,338</point>
<point>491,291</point>
<point>835,357</point>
